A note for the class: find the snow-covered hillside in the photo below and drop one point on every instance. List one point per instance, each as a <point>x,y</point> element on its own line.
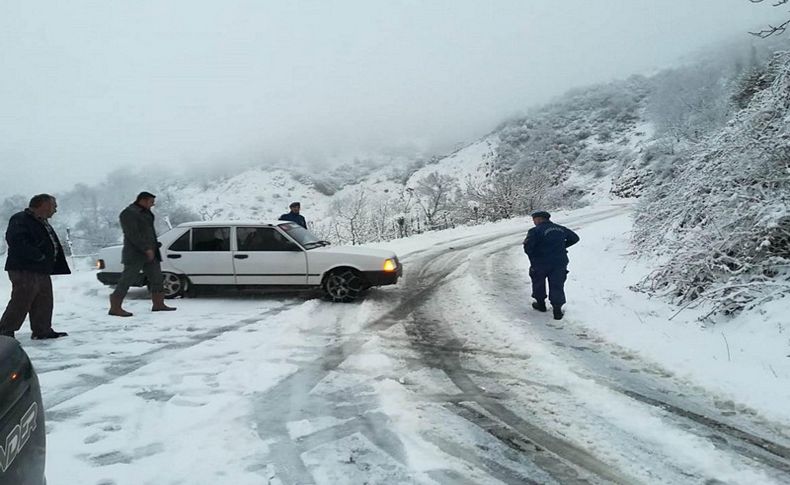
<point>257,193</point>
<point>722,219</point>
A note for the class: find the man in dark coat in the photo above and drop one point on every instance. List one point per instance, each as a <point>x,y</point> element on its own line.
<point>294,215</point>
<point>546,245</point>
<point>140,253</point>
<point>34,253</point>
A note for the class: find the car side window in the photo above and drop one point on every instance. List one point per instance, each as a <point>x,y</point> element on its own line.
<point>181,244</point>
<point>211,239</point>
<point>263,239</point>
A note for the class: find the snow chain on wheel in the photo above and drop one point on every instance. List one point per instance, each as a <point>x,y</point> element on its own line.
<point>174,285</point>
<point>343,285</point>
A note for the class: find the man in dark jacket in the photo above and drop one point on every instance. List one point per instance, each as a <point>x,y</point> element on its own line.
<point>140,254</point>
<point>546,245</point>
<point>294,215</point>
<point>34,253</point>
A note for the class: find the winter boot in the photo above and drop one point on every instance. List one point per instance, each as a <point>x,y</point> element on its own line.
<point>557,310</point>
<point>159,303</point>
<point>48,335</point>
<point>115,307</point>
<point>539,305</point>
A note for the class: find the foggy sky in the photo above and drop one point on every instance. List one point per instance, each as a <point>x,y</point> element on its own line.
<point>89,86</point>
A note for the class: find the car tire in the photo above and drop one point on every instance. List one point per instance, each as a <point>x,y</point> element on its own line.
<point>174,285</point>
<point>343,285</point>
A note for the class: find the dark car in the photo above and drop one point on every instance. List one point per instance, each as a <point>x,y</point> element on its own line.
<point>23,445</point>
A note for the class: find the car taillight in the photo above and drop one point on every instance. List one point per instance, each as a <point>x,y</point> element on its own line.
<point>100,264</point>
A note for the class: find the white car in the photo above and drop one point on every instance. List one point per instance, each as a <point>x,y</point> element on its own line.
<point>267,254</point>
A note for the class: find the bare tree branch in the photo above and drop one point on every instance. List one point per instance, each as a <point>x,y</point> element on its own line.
<point>778,3</point>
<point>771,29</point>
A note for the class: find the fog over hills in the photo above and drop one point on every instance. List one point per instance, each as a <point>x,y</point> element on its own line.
<point>192,86</point>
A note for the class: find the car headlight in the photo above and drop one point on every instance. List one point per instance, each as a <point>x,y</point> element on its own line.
<point>390,265</point>
<point>100,264</point>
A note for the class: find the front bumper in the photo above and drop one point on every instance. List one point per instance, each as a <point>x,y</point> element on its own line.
<point>383,278</point>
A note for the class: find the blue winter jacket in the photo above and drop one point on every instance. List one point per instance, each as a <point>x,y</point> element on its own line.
<point>546,244</point>
<point>293,217</point>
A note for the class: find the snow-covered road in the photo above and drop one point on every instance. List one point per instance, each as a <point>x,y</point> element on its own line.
<point>446,378</point>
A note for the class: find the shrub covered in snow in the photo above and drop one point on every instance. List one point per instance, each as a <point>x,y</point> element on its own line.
<point>722,221</point>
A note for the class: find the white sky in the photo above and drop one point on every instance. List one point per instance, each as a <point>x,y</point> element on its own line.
<point>88,86</point>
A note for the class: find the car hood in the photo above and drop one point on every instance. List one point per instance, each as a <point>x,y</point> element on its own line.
<point>355,251</point>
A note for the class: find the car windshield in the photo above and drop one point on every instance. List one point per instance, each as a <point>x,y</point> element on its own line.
<point>307,239</point>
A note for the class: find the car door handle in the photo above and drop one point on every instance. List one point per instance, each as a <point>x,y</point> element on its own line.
<point>173,256</point>
<point>241,256</point>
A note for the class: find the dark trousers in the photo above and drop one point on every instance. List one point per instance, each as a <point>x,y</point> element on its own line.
<point>31,293</point>
<point>131,273</point>
<point>556,276</point>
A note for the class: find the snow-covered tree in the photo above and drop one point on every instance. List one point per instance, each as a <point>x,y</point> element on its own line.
<point>723,222</point>
<point>350,217</point>
<point>691,101</point>
<point>433,195</point>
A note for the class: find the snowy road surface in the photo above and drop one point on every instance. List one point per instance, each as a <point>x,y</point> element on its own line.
<point>446,378</point>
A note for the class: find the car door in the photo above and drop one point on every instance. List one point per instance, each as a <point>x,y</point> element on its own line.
<point>204,255</point>
<point>265,256</point>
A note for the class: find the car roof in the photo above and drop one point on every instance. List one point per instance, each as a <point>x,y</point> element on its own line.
<point>232,223</point>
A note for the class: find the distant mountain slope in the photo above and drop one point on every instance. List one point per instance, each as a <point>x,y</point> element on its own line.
<point>578,143</point>
<point>253,194</point>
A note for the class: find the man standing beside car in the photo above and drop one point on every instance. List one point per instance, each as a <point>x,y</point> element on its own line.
<point>294,215</point>
<point>34,253</point>
<point>140,254</point>
<point>546,245</point>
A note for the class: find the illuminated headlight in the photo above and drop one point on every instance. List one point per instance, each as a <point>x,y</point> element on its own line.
<point>100,264</point>
<point>390,265</point>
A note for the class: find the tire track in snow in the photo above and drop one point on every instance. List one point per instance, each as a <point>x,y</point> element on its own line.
<point>291,399</point>
<point>437,345</point>
<point>127,365</point>
<point>607,367</point>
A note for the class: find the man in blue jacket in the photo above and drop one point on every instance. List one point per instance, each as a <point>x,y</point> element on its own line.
<point>34,253</point>
<point>546,245</point>
<point>294,215</point>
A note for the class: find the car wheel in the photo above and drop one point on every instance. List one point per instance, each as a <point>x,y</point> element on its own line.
<point>174,285</point>
<point>343,285</point>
